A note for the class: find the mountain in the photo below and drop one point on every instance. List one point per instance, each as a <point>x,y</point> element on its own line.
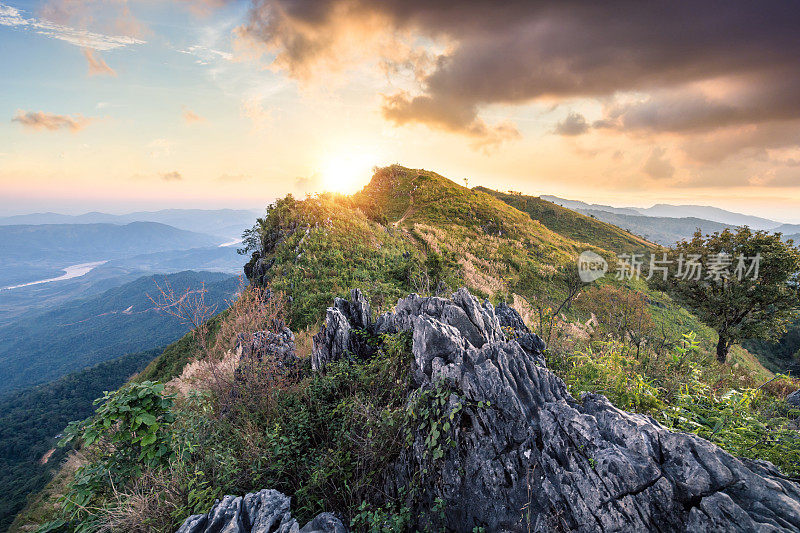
<point>662,230</point>
<point>714,214</point>
<point>577,205</point>
<point>788,229</point>
<point>80,333</point>
<point>576,226</point>
<point>410,381</point>
<point>30,420</point>
<point>94,242</point>
<point>227,223</point>
<point>708,213</point>
<point>27,301</point>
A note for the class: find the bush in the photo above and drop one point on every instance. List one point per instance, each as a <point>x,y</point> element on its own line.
<point>129,432</point>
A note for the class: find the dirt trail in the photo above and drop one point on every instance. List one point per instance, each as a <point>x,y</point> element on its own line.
<point>410,207</point>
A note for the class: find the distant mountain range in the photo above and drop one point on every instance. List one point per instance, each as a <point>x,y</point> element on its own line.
<point>227,223</point>
<point>93,242</point>
<point>83,332</point>
<point>704,212</point>
<point>666,224</point>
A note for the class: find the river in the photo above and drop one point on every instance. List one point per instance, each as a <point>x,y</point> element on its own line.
<point>72,271</point>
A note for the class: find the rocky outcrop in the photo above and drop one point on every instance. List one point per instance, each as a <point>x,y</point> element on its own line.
<point>267,345</point>
<point>522,454</point>
<point>267,511</point>
<point>347,323</point>
<point>527,456</point>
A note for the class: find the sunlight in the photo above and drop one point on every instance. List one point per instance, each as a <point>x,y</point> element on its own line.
<point>347,173</point>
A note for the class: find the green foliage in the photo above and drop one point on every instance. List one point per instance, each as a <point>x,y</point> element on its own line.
<point>757,306</point>
<point>131,430</point>
<point>324,439</point>
<point>322,247</point>
<point>682,392</point>
<point>385,519</point>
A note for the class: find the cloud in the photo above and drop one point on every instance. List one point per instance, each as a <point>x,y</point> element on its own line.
<point>97,67</point>
<point>573,124</point>
<point>206,55</point>
<point>204,8</point>
<point>308,184</point>
<point>191,117</point>
<point>39,120</point>
<point>658,166</point>
<point>550,51</point>
<point>172,176</point>
<point>402,109</point>
<point>253,108</point>
<point>13,17</point>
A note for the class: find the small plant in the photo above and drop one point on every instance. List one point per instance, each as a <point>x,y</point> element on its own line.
<point>130,431</point>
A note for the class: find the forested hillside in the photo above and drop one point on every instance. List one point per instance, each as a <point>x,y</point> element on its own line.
<point>84,332</point>
<point>31,419</point>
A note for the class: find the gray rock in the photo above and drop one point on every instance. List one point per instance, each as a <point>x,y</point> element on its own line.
<point>793,399</point>
<point>267,345</point>
<point>535,459</point>
<point>337,338</point>
<point>267,511</point>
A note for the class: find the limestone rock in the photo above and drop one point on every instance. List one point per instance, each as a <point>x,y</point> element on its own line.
<point>267,511</point>
<point>527,456</point>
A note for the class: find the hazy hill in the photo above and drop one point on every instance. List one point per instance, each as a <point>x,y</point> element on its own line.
<point>708,213</point>
<point>83,332</point>
<point>94,242</point>
<point>228,223</point>
<point>577,205</point>
<point>662,230</point>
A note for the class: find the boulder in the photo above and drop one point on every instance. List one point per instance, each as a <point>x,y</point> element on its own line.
<point>267,511</point>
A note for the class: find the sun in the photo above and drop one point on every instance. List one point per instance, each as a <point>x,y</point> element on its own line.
<point>347,173</point>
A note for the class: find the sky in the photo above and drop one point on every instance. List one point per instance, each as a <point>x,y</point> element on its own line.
<point>116,105</point>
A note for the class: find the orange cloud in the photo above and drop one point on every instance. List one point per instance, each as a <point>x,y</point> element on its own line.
<point>191,117</point>
<point>97,66</point>
<point>39,120</point>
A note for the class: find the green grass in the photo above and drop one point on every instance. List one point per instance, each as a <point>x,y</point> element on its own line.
<point>573,225</point>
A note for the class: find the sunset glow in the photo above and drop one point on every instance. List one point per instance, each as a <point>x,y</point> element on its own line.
<point>221,103</point>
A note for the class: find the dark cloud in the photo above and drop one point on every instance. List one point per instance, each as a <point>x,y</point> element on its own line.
<point>520,51</point>
<point>39,120</point>
<point>574,124</point>
<point>402,109</point>
<point>172,176</point>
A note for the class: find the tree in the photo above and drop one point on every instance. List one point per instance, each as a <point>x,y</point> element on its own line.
<point>744,284</point>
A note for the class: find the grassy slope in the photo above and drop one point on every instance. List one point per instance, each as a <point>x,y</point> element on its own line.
<point>571,224</point>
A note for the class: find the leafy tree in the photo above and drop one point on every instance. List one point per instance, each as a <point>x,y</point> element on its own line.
<point>744,284</point>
